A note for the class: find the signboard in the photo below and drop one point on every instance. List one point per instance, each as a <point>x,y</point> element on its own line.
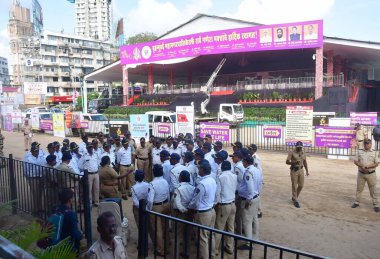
<point>16,117</point>
<point>37,88</point>
<point>46,125</point>
<point>8,123</point>
<point>322,118</point>
<point>117,128</point>
<point>334,137</point>
<point>32,99</point>
<point>58,125</point>
<point>299,125</point>
<point>272,131</point>
<point>35,118</point>
<point>185,119</point>
<point>307,34</point>
<point>8,100</point>
<point>164,128</point>
<point>139,126</point>
<point>363,118</point>
<point>218,131</point>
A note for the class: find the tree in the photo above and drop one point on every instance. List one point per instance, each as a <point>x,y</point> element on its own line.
<point>141,37</point>
<point>90,96</point>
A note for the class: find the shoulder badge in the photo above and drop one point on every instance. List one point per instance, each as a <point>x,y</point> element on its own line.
<point>175,195</point>
<point>247,177</point>
<point>197,190</point>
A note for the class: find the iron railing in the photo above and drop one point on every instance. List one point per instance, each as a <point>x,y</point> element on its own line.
<point>34,189</point>
<point>191,248</point>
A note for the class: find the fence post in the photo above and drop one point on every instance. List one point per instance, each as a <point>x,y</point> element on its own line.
<point>12,184</point>
<point>238,132</point>
<point>87,210</point>
<point>142,231</point>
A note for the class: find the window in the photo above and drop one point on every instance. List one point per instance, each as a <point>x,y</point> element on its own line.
<point>65,79</point>
<point>88,61</point>
<point>227,109</point>
<point>53,59</point>
<point>157,118</point>
<point>65,69</point>
<point>51,89</point>
<point>99,62</point>
<point>55,79</point>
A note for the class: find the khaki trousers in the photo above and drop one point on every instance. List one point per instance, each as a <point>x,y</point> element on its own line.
<point>127,182</point>
<point>249,218</point>
<point>297,179</point>
<point>93,188</point>
<point>144,165</point>
<point>27,141</point>
<point>159,233</point>
<point>181,238</point>
<point>238,221</point>
<point>36,190</point>
<point>225,220</point>
<point>371,182</point>
<point>206,219</point>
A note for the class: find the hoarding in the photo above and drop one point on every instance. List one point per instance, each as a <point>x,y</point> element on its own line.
<point>37,88</point>
<point>139,126</point>
<point>164,128</point>
<point>335,137</point>
<point>363,118</point>
<point>218,131</point>
<point>299,125</point>
<point>272,131</point>
<point>185,119</point>
<point>58,125</point>
<point>308,34</point>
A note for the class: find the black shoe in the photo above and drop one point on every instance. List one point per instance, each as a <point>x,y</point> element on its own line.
<point>376,209</point>
<point>244,247</point>
<point>354,205</point>
<point>228,251</point>
<point>260,215</point>
<point>296,204</point>
<point>124,197</point>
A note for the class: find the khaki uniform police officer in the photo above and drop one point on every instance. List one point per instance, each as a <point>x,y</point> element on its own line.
<point>124,161</point>
<point>297,161</point>
<point>361,135</point>
<point>367,160</point>
<point>142,159</point>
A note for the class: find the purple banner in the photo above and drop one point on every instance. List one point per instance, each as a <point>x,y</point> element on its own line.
<point>363,118</point>
<point>307,34</point>
<point>272,131</point>
<point>334,137</point>
<point>218,131</point>
<point>46,125</point>
<point>164,128</point>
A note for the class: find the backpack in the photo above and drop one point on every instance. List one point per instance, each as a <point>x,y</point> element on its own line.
<point>56,222</point>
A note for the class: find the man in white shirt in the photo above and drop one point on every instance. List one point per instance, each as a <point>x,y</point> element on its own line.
<point>181,199</point>
<point>140,191</point>
<point>167,167</point>
<point>161,197</point>
<point>190,166</point>
<point>202,203</point>
<point>169,144</point>
<point>257,163</point>
<point>225,208</point>
<point>176,149</point>
<point>96,148</point>
<point>90,161</point>
<point>311,35</point>
<point>83,145</point>
<point>208,156</point>
<point>176,170</point>
<point>238,169</point>
<point>219,157</point>
<point>156,150</point>
<point>107,152</point>
<point>124,162</point>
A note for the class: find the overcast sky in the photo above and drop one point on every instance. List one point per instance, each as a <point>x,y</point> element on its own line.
<point>353,19</point>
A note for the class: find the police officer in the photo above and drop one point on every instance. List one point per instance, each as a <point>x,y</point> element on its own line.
<point>51,151</point>
<point>361,135</point>
<point>156,150</point>
<point>83,145</point>
<point>237,146</point>
<point>124,161</point>
<point>142,159</point>
<point>176,149</point>
<point>219,157</point>
<point>76,156</point>
<point>107,152</point>
<point>117,146</point>
<point>202,204</point>
<point>109,179</point>
<point>181,199</point>
<point>131,141</point>
<point>176,170</point>
<point>367,160</point>
<point>160,195</point>
<point>167,167</point>
<point>218,146</point>
<point>189,144</point>
<point>257,163</point>
<point>208,156</point>
<point>27,130</point>
<point>198,156</point>
<point>225,208</point>
<point>90,162</point>
<point>249,190</point>
<point>297,161</point>
<point>65,145</point>
<point>66,180</point>
<point>190,166</point>
<point>58,152</point>
<point>169,144</point>
<point>140,191</point>
<point>108,246</point>
<point>101,139</point>
<point>96,148</point>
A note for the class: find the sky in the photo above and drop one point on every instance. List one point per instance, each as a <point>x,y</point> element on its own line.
<point>350,19</point>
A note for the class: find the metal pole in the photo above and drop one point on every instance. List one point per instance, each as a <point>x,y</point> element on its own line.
<point>142,231</point>
<point>12,184</point>
<point>87,210</point>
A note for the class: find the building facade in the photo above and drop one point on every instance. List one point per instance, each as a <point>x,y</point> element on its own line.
<point>93,18</point>
<point>4,71</point>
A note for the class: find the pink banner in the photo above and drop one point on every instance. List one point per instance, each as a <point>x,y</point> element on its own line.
<point>257,38</point>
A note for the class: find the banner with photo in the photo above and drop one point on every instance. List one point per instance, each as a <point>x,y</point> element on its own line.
<point>185,119</point>
<point>58,125</point>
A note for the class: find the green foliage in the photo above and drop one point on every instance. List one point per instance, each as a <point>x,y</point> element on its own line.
<point>250,96</point>
<point>264,114</point>
<point>118,112</point>
<point>141,37</point>
<point>62,250</point>
<point>90,96</point>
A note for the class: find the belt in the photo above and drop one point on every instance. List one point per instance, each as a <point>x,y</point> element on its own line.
<point>160,203</point>
<point>126,165</point>
<point>227,203</point>
<point>92,172</point>
<point>110,184</point>
<point>254,197</point>
<point>368,172</point>
<point>143,159</point>
<point>201,211</point>
<point>360,140</point>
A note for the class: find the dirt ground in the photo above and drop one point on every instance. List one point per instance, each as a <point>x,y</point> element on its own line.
<point>325,224</point>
